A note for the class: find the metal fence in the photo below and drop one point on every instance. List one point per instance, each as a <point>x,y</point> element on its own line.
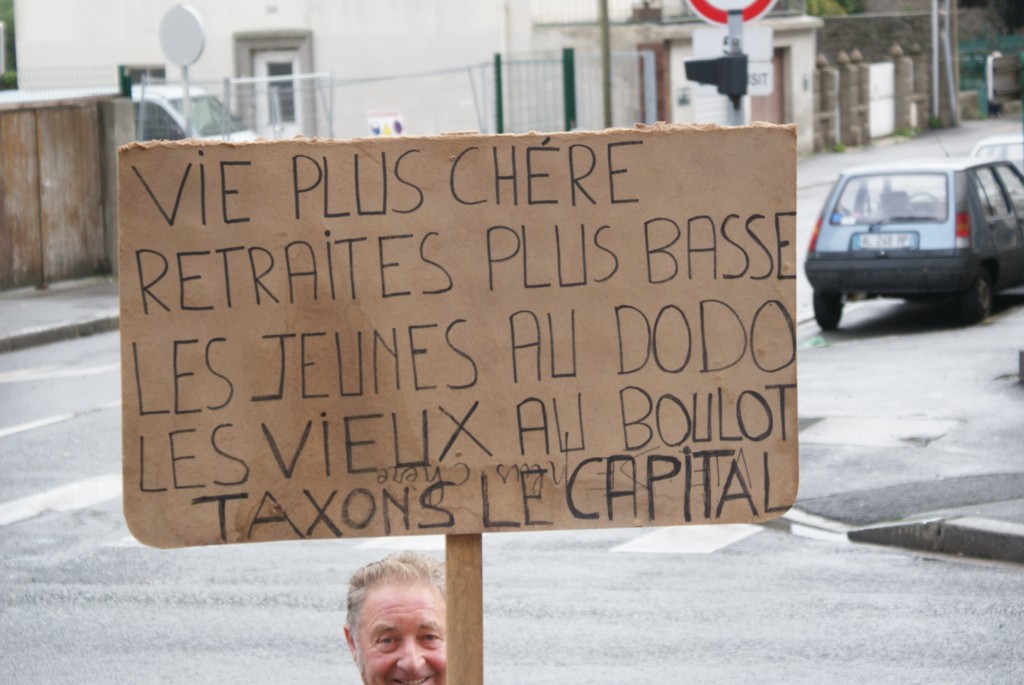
<point>634,89</point>
<point>974,57</point>
<point>426,103</point>
<point>559,92</point>
<point>514,94</point>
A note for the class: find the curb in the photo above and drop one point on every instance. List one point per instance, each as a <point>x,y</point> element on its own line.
<point>966,536</point>
<point>42,336</point>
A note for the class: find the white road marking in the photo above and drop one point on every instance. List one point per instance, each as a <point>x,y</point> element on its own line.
<point>689,539</point>
<point>50,420</point>
<point>78,495</point>
<point>875,432</point>
<point>32,425</point>
<point>40,373</point>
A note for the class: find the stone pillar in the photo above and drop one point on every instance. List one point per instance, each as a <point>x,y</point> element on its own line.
<point>864,95</point>
<point>117,127</point>
<point>904,87</point>
<point>849,85</point>
<point>826,105</point>
<point>922,78</point>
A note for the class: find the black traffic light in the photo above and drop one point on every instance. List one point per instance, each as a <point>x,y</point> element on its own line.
<point>728,72</point>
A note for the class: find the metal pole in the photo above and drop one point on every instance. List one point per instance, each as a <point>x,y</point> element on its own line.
<point>124,81</point>
<point>226,114</point>
<point>569,88</point>
<point>954,110</point>
<point>606,65</point>
<point>935,59</point>
<point>735,117</point>
<point>499,97</point>
<point>330,107</point>
<point>185,105</point>
<point>140,119</point>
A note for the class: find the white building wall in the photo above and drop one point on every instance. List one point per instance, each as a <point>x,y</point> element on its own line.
<point>799,34</point>
<point>350,38</point>
<point>368,38</point>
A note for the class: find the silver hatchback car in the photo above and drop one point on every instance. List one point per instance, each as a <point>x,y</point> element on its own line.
<point>950,227</point>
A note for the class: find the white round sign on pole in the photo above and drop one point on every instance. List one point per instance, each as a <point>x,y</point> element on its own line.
<point>181,35</point>
<point>717,11</point>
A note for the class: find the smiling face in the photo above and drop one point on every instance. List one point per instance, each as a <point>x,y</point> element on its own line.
<point>400,637</point>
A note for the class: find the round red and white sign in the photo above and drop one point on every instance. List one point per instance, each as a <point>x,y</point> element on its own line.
<point>717,11</point>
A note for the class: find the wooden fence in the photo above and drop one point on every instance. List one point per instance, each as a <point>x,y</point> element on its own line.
<point>58,189</point>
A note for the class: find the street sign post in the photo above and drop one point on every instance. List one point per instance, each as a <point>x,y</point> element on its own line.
<point>713,42</point>
<point>717,11</point>
<point>182,38</point>
<point>729,72</point>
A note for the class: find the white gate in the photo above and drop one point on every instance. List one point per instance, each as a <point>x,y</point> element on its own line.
<point>882,99</point>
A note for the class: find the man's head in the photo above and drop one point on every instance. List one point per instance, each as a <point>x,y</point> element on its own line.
<point>395,626</point>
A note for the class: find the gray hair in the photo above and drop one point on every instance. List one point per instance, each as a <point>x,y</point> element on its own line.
<point>401,568</point>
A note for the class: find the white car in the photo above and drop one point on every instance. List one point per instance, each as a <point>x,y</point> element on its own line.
<point>160,115</point>
<point>1009,146</point>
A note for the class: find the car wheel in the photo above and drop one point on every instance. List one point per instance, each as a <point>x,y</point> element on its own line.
<point>828,309</point>
<point>976,301</point>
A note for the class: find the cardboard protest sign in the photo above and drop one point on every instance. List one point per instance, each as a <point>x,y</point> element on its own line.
<point>458,334</point>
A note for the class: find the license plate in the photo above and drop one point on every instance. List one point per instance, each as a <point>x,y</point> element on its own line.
<point>886,241</point>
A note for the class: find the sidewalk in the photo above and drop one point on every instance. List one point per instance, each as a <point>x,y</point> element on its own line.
<point>65,310</point>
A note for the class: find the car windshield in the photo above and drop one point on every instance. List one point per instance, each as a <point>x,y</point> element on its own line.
<point>207,115</point>
<point>884,198</point>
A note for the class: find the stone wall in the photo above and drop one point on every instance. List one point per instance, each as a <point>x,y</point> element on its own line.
<point>864,39</point>
<point>974,22</point>
<point>842,103</point>
<point>874,34</point>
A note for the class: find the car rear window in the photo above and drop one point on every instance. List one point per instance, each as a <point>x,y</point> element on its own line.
<point>891,197</point>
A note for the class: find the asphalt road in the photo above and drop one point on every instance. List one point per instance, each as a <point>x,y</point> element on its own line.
<point>83,603</point>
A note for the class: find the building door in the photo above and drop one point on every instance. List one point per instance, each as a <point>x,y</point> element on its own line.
<point>278,105</point>
<point>772,108</point>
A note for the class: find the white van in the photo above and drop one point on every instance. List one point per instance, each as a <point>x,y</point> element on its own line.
<point>159,115</point>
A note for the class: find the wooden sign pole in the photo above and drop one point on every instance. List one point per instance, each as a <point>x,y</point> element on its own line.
<point>464,597</point>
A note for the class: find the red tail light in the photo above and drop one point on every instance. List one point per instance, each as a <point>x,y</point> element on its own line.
<point>817,229</point>
<point>963,231</point>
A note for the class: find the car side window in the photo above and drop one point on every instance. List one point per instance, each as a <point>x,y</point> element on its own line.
<point>990,194</point>
<point>1014,188</point>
